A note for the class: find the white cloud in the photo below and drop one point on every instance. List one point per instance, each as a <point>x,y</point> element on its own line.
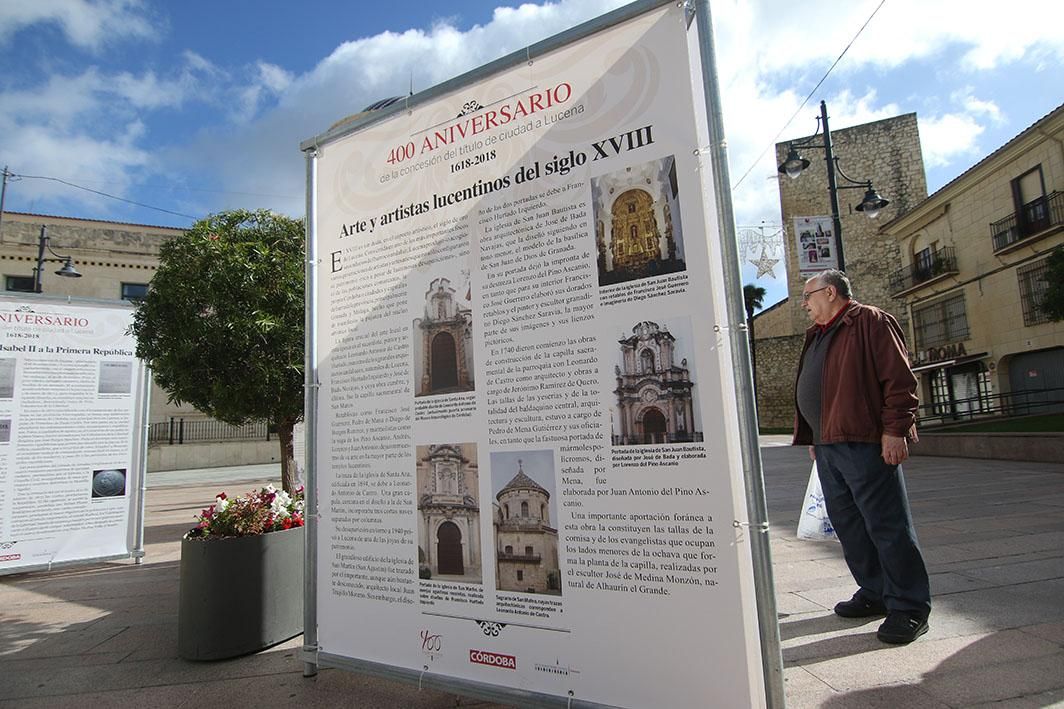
<point>93,95</point>
<point>87,128</point>
<point>976,106</point>
<point>261,156</point>
<point>86,24</point>
<point>273,77</point>
<point>80,158</point>
<point>268,81</point>
<point>947,137</point>
<point>790,36</point>
<point>764,51</point>
<point>770,55</point>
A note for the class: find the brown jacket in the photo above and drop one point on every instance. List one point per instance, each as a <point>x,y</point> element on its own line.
<point>868,387</point>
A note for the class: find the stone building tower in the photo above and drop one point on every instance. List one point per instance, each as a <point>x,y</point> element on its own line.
<point>888,153</point>
<point>445,357</point>
<point>654,399</point>
<point>526,545</point>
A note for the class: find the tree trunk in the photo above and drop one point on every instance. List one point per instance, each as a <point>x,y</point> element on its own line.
<point>288,462</point>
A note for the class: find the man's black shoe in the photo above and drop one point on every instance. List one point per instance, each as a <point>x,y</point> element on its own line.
<point>860,607</point>
<point>902,627</point>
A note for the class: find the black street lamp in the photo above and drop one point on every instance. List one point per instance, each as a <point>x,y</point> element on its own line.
<point>67,269</point>
<point>795,163</point>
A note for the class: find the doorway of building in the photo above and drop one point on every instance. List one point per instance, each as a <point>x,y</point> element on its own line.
<point>444,362</point>
<point>655,429</point>
<point>449,549</point>
<point>1037,381</point>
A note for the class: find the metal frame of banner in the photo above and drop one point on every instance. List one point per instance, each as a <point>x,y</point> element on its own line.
<point>140,447</point>
<point>757,511</point>
<point>769,639</point>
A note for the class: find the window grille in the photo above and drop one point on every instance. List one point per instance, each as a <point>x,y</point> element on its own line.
<point>941,322</point>
<point>20,284</point>
<point>1034,282</point>
<point>134,291</point>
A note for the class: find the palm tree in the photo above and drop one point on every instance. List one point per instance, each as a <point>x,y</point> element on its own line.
<point>752,297</point>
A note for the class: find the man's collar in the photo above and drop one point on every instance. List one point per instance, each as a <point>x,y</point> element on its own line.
<point>821,329</point>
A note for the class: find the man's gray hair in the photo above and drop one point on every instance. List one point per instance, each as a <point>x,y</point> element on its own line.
<point>837,279</point>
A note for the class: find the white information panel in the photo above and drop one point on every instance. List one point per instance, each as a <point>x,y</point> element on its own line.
<point>72,397</point>
<point>527,455</point>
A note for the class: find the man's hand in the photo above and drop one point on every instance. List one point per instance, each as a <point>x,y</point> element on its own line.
<point>812,453</point>
<point>895,449</point>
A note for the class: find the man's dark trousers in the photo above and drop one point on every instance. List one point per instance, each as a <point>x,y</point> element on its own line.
<point>869,509</point>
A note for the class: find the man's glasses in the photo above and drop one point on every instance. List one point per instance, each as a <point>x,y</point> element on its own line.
<point>805,296</point>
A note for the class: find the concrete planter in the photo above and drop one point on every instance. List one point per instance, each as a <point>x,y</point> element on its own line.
<point>239,595</point>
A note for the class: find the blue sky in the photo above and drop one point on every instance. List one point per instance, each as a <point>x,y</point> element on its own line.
<point>197,106</point>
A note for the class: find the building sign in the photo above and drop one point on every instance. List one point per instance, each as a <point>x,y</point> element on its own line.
<point>939,354</point>
<point>72,403</point>
<point>814,242</point>
<point>525,418</point>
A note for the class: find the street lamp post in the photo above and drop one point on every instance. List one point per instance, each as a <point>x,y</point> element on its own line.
<point>795,163</point>
<point>67,269</point>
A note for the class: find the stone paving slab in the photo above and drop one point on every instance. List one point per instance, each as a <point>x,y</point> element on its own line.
<point>1052,698</point>
<point>993,533</point>
<point>1020,571</point>
<point>896,665</point>
<point>997,681</point>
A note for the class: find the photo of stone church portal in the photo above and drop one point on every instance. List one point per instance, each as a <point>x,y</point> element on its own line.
<point>526,542</point>
<point>443,341</point>
<point>637,222</point>
<point>448,512</point>
<point>654,391</point>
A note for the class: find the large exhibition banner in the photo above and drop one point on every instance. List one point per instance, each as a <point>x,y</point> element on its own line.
<point>528,472</point>
<point>72,402</point>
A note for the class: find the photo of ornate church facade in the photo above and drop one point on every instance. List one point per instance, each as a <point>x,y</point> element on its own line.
<point>654,394</point>
<point>443,342</point>
<point>637,222</point>
<point>526,544</point>
<point>449,512</point>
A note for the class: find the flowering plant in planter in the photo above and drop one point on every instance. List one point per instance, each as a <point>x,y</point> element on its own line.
<point>268,510</point>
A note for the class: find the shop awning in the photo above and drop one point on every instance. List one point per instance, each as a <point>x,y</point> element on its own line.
<point>950,362</point>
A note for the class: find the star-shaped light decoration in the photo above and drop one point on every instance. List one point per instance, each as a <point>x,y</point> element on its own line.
<point>765,265</point>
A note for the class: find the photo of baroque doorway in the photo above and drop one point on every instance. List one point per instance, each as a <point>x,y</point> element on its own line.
<point>448,491</point>
<point>443,340</point>
<point>654,395</point>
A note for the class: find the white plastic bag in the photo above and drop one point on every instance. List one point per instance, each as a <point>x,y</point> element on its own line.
<point>814,524</point>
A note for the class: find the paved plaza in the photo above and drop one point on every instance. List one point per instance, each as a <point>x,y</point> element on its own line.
<point>992,531</point>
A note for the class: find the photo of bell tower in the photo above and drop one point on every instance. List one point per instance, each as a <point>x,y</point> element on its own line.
<point>526,541</point>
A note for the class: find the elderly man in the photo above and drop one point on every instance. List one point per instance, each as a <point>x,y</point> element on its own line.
<point>856,402</point>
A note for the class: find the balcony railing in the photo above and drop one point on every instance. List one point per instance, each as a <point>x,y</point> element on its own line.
<point>1018,403</point>
<point>942,262</point>
<point>178,430</point>
<point>1033,218</point>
